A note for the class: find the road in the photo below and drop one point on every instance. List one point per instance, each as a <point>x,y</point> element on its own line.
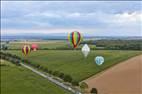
<point>51,79</point>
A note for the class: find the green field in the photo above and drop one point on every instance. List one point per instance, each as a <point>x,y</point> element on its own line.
<point>42,44</point>
<point>51,44</point>
<point>18,80</point>
<point>73,63</point>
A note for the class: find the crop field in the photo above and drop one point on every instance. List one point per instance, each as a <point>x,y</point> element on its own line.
<point>125,78</point>
<point>71,47</point>
<point>51,44</point>
<point>42,44</point>
<point>18,80</point>
<point>73,63</point>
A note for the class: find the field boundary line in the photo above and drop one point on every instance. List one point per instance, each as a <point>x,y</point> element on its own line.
<point>98,74</point>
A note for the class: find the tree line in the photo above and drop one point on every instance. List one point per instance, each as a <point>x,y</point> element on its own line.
<point>65,77</point>
<point>11,58</point>
<point>16,60</point>
<point>116,44</point>
<point>102,44</point>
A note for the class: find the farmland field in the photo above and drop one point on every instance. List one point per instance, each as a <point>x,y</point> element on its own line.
<point>18,80</point>
<point>42,44</point>
<point>125,78</point>
<point>51,44</point>
<point>73,63</point>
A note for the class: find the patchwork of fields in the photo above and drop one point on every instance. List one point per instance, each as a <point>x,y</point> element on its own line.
<point>72,62</point>
<point>41,44</point>
<point>124,78</point>
<point>52,44</point>
<point>69,62</point>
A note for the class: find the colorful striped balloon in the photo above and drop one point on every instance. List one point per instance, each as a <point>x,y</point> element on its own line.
<point>74,38</point>
<point>26,49</point>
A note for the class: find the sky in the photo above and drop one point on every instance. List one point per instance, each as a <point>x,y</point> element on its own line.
<point>97,18</point>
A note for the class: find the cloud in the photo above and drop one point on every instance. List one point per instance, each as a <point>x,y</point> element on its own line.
<point>127,18</point>
<point>103,17</point>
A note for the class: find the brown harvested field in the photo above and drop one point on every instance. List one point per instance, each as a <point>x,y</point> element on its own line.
<point>124,78</point>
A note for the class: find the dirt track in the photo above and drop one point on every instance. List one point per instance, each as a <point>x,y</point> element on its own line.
<point>124,78</point>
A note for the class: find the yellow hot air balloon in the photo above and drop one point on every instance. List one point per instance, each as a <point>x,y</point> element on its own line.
<point>26,49</point>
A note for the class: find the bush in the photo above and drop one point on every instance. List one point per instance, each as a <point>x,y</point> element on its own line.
<point>41,68</point>
<point>56,73</point>
<point>31,64</point>
<point>94,91</point>
<point>67,78</point>
<point>83,85</point>
<point>75,83</point>
<point>37,66</point>
<point>45,70</point>
<point>50,71</point>
<point>12,58</point>
<point>61,75</point>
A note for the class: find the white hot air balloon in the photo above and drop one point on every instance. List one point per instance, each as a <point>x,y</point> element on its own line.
<point>85,50</point>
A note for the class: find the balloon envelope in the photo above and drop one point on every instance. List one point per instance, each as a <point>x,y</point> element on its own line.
<point>26,49</point>
<point>34,47</point>
<point>74,38</point>
<point>85,50</point>
<point>99,60</point>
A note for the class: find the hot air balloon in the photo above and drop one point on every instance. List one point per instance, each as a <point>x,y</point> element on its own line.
<point>26,49</point>
<point>85,50</point>
<point>34,47</point>
<point>74,38</point>
<point>99,60</point>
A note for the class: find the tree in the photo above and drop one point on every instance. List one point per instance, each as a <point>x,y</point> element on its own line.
<point>4,47</point>
<point>46,70</point>
<point>67,78</point>
<point>50,71</point>
<point>37,66</point>
<point>56,73</point>
<point>83,86</point>
<point>94,91</point>
<point>75,83</point>
<point>41,68</point>
<point>61,75</point>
